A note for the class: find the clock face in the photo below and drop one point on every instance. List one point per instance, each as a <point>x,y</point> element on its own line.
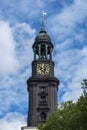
<point>43,69</point>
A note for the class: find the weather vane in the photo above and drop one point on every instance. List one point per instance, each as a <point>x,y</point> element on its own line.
<point>43,14</point>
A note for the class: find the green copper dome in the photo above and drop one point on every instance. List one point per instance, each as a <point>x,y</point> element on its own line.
<point>43,38</point>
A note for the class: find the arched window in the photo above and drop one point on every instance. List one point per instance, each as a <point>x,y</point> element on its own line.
<point>43,116</point>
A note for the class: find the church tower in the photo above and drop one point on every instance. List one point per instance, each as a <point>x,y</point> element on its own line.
<point>42,85</point>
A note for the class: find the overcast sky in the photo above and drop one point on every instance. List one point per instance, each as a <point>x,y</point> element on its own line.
<point>20,22</point>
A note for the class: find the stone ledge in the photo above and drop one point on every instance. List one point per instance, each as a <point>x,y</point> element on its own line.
<point>28,128</point>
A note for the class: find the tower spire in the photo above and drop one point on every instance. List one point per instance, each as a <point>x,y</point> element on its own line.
<point>42,27</point>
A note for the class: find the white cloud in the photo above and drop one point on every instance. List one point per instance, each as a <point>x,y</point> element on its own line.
<point>71,66</point>
<point>64,23</point>
<point>25,27</point>
<point>13,84</point>
<point>8,61</point>
<point>11,91</point>
<point>12,121</point>
<point>24,36</point>
<point>21,9</point>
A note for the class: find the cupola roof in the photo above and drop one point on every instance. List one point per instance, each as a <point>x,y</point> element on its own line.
<point>43,37</point>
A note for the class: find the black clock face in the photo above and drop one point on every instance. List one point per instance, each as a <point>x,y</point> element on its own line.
<point>43,69</point>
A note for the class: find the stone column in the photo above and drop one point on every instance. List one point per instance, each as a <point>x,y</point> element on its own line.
<point>51,54</point>
<point>34,54</point>
<point>46,50</point>
<point>39,51</point>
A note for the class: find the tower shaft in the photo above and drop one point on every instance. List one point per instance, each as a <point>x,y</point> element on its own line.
<point>42,85</point>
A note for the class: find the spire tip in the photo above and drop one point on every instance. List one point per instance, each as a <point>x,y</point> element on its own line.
<point>43,14</point>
